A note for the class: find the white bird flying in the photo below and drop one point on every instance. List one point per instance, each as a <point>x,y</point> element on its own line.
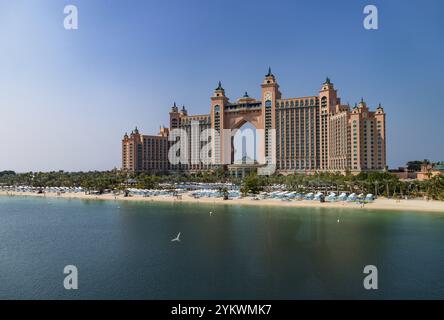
<point>176,238</point>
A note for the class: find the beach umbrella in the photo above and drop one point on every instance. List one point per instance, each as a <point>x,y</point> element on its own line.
<point>342,196</point>
<point>352,197</point>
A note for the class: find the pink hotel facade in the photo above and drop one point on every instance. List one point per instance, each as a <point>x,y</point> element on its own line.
<point>299,135</point>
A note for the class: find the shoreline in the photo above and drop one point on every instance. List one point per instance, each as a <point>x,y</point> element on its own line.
<point>378,204</point>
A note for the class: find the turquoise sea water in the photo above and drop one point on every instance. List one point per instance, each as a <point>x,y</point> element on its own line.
<point>123,250</point>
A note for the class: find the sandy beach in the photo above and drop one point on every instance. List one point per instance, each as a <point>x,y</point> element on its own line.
<point>378,204</point>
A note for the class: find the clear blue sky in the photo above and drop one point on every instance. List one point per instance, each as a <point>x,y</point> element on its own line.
<point>67,97</point>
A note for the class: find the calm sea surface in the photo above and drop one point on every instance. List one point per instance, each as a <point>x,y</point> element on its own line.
<point>124,251</point>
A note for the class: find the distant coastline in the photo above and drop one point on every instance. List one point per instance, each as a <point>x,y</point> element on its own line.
<point>378,204</point>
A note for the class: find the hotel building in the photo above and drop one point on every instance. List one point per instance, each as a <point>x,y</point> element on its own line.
<point>297,135</point>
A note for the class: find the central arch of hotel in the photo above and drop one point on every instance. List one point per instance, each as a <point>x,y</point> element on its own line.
<point>227,117</point>
<point>236,122</point>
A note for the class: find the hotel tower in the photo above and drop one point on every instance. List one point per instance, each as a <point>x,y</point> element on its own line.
<point>295,135</point>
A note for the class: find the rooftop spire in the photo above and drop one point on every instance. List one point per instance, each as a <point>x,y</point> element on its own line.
<point>269,74</point>
<point>327,80</point>
<point>246,95</point>
<point>219,87</point>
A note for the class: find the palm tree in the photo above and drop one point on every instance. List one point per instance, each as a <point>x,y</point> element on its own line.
<point>387,189</point>
<point>225,193</point>
<point>427,165</point>
<point>376,183</point>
